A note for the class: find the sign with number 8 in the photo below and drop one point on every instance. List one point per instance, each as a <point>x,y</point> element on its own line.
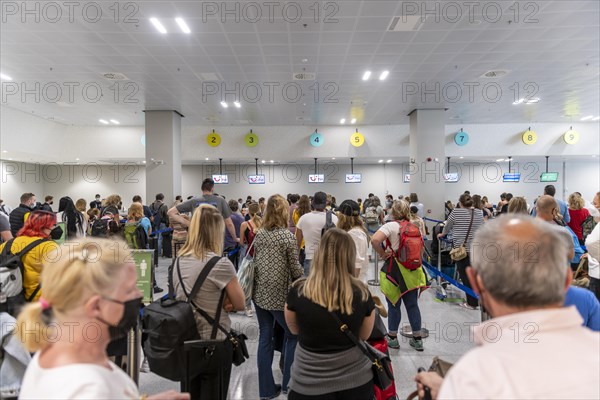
<point>571,136</point>
<point>529,137</point>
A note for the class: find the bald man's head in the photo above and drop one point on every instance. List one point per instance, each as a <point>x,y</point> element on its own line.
<point>545,207</point>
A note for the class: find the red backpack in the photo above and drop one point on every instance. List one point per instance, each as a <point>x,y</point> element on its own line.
<point>411,247</point>
<point>250,234</point>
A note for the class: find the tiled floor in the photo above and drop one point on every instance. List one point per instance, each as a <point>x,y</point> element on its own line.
<point>449,338</point>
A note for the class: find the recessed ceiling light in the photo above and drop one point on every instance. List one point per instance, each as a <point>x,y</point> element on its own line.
<point>518,101</point>
<point>263,161</point>
<point>224,104</point>
<point>333,158</point>
<point>182,25</point>
<point>5,151</point>
<point>389,161</point>
<point>305,60</point>
<point>587,118</point>
<point>5,77</point>
<point>596,119</point>
<point>206,159</point>
<point>271,161</point>
<point>77,159</point>
<point>114,121</point>
<point>366,76</point>
<point>533,101</point>
<point>144,162</point>
<point>384,75</point>
<point>500,160</point>
<point>380,161</point>
<point>343,121</point>
<point>461,157</point>
<point>237,104</point>
<point>159,27</point>
<point>103,121</point>
<point>353,121</point>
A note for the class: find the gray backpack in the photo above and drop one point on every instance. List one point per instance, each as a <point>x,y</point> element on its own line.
<point>328,222</point>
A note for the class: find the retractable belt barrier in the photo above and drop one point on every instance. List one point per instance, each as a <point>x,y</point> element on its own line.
<point>375,281</point>
<point>161,231</point>
<point>435,272</point>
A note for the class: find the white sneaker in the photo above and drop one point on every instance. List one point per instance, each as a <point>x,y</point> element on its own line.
<point>249,312</point>
<point>145,367</point>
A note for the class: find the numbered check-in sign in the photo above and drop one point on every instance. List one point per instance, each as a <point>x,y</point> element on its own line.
<point>529,137</point>
<point>461,138</point>
<point>357,139</point>
<point>251,139</point>
<point>316,139</point>
<point>213,139</point>
<point>571,137</point>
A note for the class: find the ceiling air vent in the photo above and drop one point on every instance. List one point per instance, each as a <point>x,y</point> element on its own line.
<point>499,73</point>
<point>406,23</point>
<point>115,76</point>
<point>304,76</point>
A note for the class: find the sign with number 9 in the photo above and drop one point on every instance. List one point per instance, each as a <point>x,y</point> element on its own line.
<point>213,139</point>
<point>251,139</point>
<point>357,139</point>
<point>461,138</point>
<point>571,136</point>
<point>316,139</point>
<point>529,137</point>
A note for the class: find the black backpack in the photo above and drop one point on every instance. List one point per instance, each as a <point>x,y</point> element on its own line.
<point>328,222</point>
<point>12,272</point>
<point>156,215</point>
<point>168,323</point>
<point>100,228</point>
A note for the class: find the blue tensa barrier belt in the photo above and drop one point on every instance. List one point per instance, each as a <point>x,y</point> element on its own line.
<point>232,252</point>
<point>435,272</point>
<point>161,231</point>
<point>433,220</point>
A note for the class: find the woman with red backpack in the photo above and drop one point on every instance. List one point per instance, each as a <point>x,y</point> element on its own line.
<point>393,235</point>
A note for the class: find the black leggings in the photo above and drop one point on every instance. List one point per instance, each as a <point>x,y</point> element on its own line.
<point>364,392</point>
<point>462,272</point>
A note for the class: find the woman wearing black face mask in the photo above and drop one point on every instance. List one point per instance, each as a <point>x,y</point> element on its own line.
<point>90,297</point>
<point>37,230</point>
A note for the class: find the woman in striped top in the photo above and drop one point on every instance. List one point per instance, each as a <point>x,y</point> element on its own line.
<point>458,222</point>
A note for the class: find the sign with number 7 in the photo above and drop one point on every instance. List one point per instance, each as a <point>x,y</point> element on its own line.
<point>461,138</point>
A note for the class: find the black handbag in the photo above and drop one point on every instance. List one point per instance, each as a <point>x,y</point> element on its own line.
<point>237,340</point>
<point>379,330</point>
<point>381,362</point>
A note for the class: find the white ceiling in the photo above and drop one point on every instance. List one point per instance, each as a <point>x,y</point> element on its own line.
<point>559,54</point>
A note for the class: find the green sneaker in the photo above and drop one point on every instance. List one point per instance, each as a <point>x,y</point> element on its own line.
<point>392,342</point>
<point>416,344</point>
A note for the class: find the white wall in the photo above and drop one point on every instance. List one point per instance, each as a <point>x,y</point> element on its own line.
<point>129,180</point>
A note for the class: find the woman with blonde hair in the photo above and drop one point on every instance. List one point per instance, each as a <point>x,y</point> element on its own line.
<point>203,249</point>
<point>90,297</point>
<point>391,232</point>
<point>517,205</point>
<point>276,267</point>
<point>327,364</point>
<point>248,230</point>
<point>578,214</point>
<point>349,221</point>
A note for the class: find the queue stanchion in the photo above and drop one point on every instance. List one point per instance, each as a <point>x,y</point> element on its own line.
<point>375,280</point>
<point>133,354</point>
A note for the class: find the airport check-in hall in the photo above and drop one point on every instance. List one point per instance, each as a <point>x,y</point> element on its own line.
<point>347,199</point>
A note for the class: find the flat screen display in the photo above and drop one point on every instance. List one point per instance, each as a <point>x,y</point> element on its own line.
<point>451,177</point>
<point>316,178</point>
<point>406,178</point>
<point>220,179</point>
<point>512,177</point>
<point>256,179</point>
<point>549,177</point>
<point>353,178</point>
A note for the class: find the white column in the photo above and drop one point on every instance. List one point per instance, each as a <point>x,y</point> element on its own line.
<point>427,144</point>
<point>163,154</point>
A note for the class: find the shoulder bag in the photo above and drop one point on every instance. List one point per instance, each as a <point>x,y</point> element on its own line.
<point>381,363</point>
<point>460,253</point>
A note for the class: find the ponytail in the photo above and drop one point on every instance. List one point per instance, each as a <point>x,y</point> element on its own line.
<point>32,328</point>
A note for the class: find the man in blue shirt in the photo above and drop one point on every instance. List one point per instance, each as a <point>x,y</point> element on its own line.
<point>587,305</point>
<point>550,190</point>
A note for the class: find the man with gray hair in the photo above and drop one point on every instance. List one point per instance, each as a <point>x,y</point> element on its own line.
<point>533,347</point>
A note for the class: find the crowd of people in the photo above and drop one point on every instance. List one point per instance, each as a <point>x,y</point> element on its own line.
<point>310,257</point>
